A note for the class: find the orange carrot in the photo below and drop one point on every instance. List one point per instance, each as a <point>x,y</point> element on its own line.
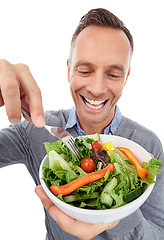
<point>81,181</point>
<point>140,170</point>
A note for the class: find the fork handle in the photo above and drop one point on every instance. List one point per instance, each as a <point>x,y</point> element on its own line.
<point>26,113</point>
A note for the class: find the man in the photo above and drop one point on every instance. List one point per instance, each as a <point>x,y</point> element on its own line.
<point>98,68</point>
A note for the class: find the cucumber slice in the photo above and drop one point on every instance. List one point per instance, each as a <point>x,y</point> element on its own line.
<point>133,195</point>
<point>72,198</point>
<point>105,197</point>
<point>96,137</point>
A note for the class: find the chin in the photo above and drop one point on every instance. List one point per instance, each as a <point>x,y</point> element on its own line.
<point>93,118</point>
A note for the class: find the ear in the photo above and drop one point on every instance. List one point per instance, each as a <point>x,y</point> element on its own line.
<point>68,70</point>
<point>127,75</point>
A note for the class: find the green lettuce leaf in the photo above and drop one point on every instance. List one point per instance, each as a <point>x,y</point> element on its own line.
<point>127,173</point>
<point>85,145</point>
<point>90,203</point>
<point>50,177</point>
<point>56,146</point>
<point>61,149</point>
<point>152,168</point>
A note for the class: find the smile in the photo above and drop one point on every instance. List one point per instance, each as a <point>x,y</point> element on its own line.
<point>93,104</point>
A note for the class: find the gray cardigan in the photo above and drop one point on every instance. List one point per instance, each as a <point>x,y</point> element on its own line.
<point>23,143</point>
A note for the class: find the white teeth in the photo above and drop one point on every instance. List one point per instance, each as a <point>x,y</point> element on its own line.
<point>94,106</point>
<point>94,102</point>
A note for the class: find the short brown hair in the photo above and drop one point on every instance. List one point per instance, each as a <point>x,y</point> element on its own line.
<point>103,18</point>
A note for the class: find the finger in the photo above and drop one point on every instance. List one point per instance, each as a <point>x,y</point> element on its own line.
<point>43,197</point>
<point>11,98</point>
<point>33,94</point>
<point>9,91</point>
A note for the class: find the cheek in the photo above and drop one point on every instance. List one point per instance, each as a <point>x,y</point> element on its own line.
<point>117,89</point>
<point>76,83</point>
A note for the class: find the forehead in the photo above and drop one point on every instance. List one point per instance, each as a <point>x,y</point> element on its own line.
<point>102,44</point>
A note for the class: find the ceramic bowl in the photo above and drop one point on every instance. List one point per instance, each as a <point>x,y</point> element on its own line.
<point>109,215</point>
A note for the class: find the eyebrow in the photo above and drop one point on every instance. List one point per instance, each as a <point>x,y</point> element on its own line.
<point>83,63</point>
<point>113,66</point>
<point>118,67</point>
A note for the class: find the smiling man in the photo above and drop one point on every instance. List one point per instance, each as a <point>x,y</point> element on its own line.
<point>98,68</point>
<point>97,71</point>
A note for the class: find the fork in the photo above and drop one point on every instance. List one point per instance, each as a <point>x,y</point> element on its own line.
<point>61,134</point>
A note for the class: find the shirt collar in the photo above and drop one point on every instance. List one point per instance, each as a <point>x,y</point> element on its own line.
<point>110,129</point>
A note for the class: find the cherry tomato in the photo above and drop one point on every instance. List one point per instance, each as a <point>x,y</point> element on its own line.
<point>98,145</point>
<point>88,165</point>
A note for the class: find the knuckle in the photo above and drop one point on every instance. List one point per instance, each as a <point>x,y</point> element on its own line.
<point>35,90</point>
<point>9,87</point>
<point>9,90</point>
<point>22,67</point>
<point>4,63</point>
<point>6,68</point>
<point>38,109</point>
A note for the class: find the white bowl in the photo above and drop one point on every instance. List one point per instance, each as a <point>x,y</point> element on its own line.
<point>108,215</point>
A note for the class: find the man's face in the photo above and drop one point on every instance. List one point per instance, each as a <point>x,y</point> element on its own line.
<point>97,72</point>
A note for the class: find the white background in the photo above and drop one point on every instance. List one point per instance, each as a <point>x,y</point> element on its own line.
<point>38,33</point>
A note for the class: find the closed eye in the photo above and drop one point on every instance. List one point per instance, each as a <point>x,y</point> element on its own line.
<point>84,70</point>
<point>114,76</point>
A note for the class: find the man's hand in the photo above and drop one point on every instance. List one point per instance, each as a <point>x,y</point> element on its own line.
<point>82,230</point>
<point>18,87</point>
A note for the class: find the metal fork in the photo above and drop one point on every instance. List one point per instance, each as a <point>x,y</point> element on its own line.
<point>61,134</point>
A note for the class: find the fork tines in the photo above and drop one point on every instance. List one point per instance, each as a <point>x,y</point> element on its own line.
<point>75,148</point>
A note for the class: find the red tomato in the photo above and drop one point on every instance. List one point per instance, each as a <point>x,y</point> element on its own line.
<point>98,145</point>
<point>88,165</point>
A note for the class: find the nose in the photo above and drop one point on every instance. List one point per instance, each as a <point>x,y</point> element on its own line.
<point>97,84</point>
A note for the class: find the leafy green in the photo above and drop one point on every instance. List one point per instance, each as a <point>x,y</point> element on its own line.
<point>50,177</point>
<point>127,173</point>
<point>56,146</point>
<point>118,198</point>
<point>90,203</point>
<point>57,162</point>
<point>66,176</point>
<point>152,169</point>
<point>85,145</point>
<point>61,149</point>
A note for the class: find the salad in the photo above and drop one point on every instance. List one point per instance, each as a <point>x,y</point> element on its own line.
<point>105,177</point>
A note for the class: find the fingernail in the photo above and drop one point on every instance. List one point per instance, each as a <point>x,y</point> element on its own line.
<point>15,120</point>
<point>40,121</point>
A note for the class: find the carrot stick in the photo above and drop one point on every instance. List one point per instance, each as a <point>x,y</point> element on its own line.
<point>81,181</point>
<point>140,170</point>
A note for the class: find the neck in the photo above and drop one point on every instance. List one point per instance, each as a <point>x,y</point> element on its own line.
<point>92,128</point>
